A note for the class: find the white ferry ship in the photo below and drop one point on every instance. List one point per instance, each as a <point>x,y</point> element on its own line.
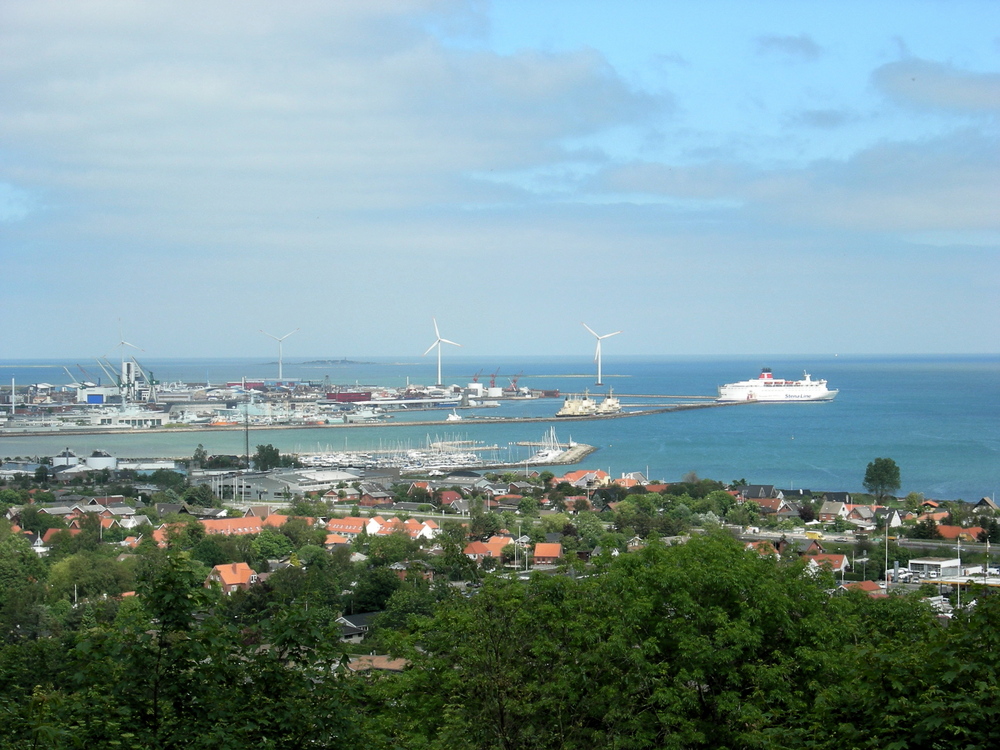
<point>767,388</point>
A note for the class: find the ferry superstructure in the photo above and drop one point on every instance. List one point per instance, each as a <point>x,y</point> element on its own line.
<point>575,406</point>
<point>767,388</point>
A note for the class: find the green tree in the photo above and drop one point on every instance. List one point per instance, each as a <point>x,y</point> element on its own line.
<point>200,494</point>
<point>169,674</point>
<point>271,545</point>
<point>590,527</point>
<point>389,548</point>
<point>528,506</point>
<point>168,480</point>
<point>300,532</point>
<point>882,478</point>
<point>709,646</point>
<point>408,601</point>
<point>266,458</point>
<point>200,457</point>
<point>374,588</point>
<point>22,590</point>
<point>925,529</point>
<point>89,575</point>
<point>32,519</point>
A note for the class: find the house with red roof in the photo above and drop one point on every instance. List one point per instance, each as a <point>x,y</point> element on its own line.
<point>763,548</point>
<point>962,533</point>
<point>658,487</point>
<point>834,563</point>
<point>495,544</point>
<point>585,478</point>
<point>626,482</point>
<point>349,527</point>
<point>936,516</point>
<point>49,533</point>
<point>547,553</point>
<point>869,587</point>
<point>240,526</point>
<point>336,540</point>
<point>448,497</point>
<point>477,551</point>
<point>232,577</point>
<point>411,527</point>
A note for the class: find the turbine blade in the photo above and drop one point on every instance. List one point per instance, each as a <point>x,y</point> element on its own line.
<point>437,333</point>
<point>431,348</point>
<point>597,351</point>
<point>446,341</point>
<point>609,335</point>
<point>590,329</point>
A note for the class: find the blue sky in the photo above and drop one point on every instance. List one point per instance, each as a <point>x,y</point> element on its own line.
<point>710,178</point>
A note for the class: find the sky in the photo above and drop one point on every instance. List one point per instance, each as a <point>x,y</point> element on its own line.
<point>710,178</point>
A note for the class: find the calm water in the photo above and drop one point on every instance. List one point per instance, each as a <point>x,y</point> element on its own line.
<point>937,417</point>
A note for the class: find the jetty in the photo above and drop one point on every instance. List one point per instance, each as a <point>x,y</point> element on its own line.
<point>388,423</point>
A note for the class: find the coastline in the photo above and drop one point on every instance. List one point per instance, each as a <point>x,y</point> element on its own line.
<point>937,416</point>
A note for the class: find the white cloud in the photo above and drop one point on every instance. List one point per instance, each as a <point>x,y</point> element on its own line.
<point>223,116</point>
<point>926,84</point>
<point>800,47</point>
<point>946,184</point>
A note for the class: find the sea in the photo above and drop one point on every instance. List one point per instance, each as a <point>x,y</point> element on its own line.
<point>937,417</point>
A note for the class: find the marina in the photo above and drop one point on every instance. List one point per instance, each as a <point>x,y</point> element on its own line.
<point>445,454</point>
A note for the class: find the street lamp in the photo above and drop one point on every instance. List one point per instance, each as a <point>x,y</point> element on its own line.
<point>887,554</point>
<point>959,572</point>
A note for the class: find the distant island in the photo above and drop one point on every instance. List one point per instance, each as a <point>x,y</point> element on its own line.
<point>336,362</point>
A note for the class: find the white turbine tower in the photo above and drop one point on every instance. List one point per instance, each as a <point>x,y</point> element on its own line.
<point>437,343</point>
<point>279,340</point>
<point>597,354</point>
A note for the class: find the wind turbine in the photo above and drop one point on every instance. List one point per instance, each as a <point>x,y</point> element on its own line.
<point>279,340</point>
<point>437,343</point>
<point>597,354</point>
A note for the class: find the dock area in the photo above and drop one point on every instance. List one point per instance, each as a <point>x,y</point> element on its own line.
<point>706,403</point>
